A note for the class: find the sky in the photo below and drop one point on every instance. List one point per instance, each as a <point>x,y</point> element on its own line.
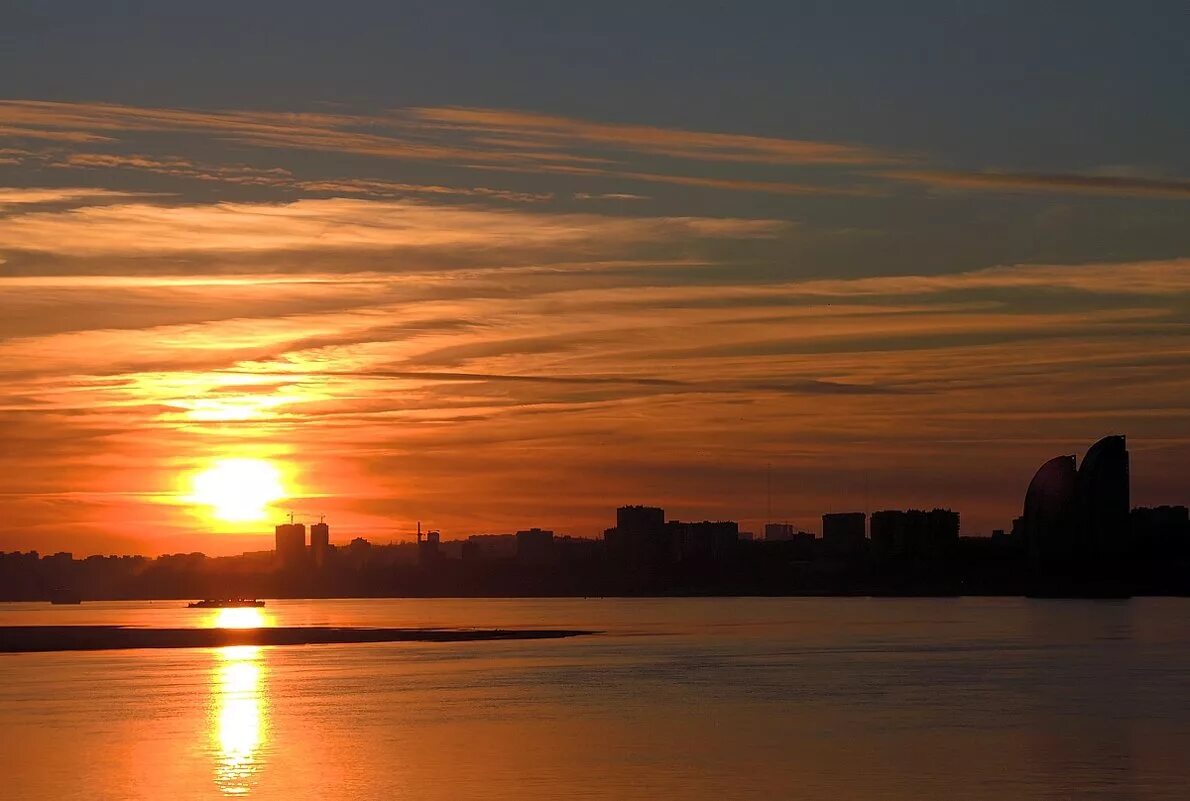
<point>500,265</point>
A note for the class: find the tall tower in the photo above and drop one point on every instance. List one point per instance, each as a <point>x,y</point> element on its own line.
<point>320,543</point>
<point>1048,519</point>
<point>1104,500</point>
<point>290,544</point>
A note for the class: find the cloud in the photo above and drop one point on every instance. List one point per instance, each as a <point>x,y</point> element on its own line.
<point>1059,183</point>
<point>340,224</point>
<point>300,130</point>
<point>521,135</point>
<point>609,196</point>
<point>1170,276</point>
<point>664,385</point>
<point>475,138</point>
<point>17,132</point>
<point>739,185</point>
<point>671,142</point>
<point>514,141</point>
<point>180,167</point>
<point>14,196</point>
<point>277,177</point>
<point>377,188</point>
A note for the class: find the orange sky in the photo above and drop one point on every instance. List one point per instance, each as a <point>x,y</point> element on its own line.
<point>594,319</point>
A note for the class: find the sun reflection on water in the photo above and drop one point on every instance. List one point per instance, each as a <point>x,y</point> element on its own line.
<point>238,724</point>
<point>239,617</point>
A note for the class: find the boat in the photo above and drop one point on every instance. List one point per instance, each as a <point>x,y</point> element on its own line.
<point>225,603</point>
<point>65,597</point>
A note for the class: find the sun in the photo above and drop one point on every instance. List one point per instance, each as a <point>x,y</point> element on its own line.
<point>238,490</point>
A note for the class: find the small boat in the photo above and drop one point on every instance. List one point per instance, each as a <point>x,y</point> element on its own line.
<point>225,603</point>
<point>65,597</point>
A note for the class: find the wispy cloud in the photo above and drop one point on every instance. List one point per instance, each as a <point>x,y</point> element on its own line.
<point>517,141</point>
<point>177,166</point>
<point>740,185</point>
<point>1169,276</point>
<point>340,224</point>
<point>537,129</point>
<point>17,196</point>
<point>1058,183</point>
<point>608,196</point>
<point>477,138</point>
<point>523,135</point>
<point>21,132</point>
<point>378,188</point>
<point>275,177</point>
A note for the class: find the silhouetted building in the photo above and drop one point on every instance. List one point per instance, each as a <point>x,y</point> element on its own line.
<point>320,543</point>
<point>427,549</point>
<point>843,532</point>
<point>639,539</point>
<point>535,546</point>
<point>491,546</point>
<point>702,541</point>
<point>892,532</point>
<point>1048,521</point>
<point>290,541</point>
<point>1006,539</point>
<point>640,519</point>
<point>914,534</point>
<point>1078,519</point>
<point>1161,532</point>
<point>779,532</point>
<point>1103,500</point>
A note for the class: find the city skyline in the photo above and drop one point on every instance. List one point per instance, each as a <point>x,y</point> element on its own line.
<point>1073,515</point>
<point>409,532</point>
<point>706,401</point>
<point>278,273</point>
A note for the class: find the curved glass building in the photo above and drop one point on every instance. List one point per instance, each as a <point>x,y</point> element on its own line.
<point>1103,499</point>
<point>1050,511</point>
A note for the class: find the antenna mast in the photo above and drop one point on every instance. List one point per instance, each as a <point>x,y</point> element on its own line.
<point>768,483</point>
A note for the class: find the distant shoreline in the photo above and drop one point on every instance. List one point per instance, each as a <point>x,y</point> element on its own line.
<point>1075,592</point>
<point>1041,590</point>
<point>31,639</point>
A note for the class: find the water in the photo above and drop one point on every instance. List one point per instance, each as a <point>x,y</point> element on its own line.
<point>678,699</point>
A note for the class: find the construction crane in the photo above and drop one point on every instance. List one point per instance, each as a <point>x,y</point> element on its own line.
<point>429,535</point>
<point>305,515</point>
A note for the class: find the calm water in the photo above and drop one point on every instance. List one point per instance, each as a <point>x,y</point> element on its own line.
<point>680,699</point>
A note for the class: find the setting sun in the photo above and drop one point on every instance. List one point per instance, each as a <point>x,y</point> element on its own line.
<point>238,490</point>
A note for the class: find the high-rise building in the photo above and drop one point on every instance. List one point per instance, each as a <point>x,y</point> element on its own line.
<point>639,538</point>
<point>1103,500</point>
<point>1048,520</point>
<point>942,532</point>
<point>535,546</point>
<point>1160,532</point>
<point>428,551</point>
<point>914,534</point>
<point>843,532</point>
<point>320,543</point>
<point>290,544</point>
<point>701,541</point>
<point>779,532</point>
<point>640,519</point>
<point>1079,516</point>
